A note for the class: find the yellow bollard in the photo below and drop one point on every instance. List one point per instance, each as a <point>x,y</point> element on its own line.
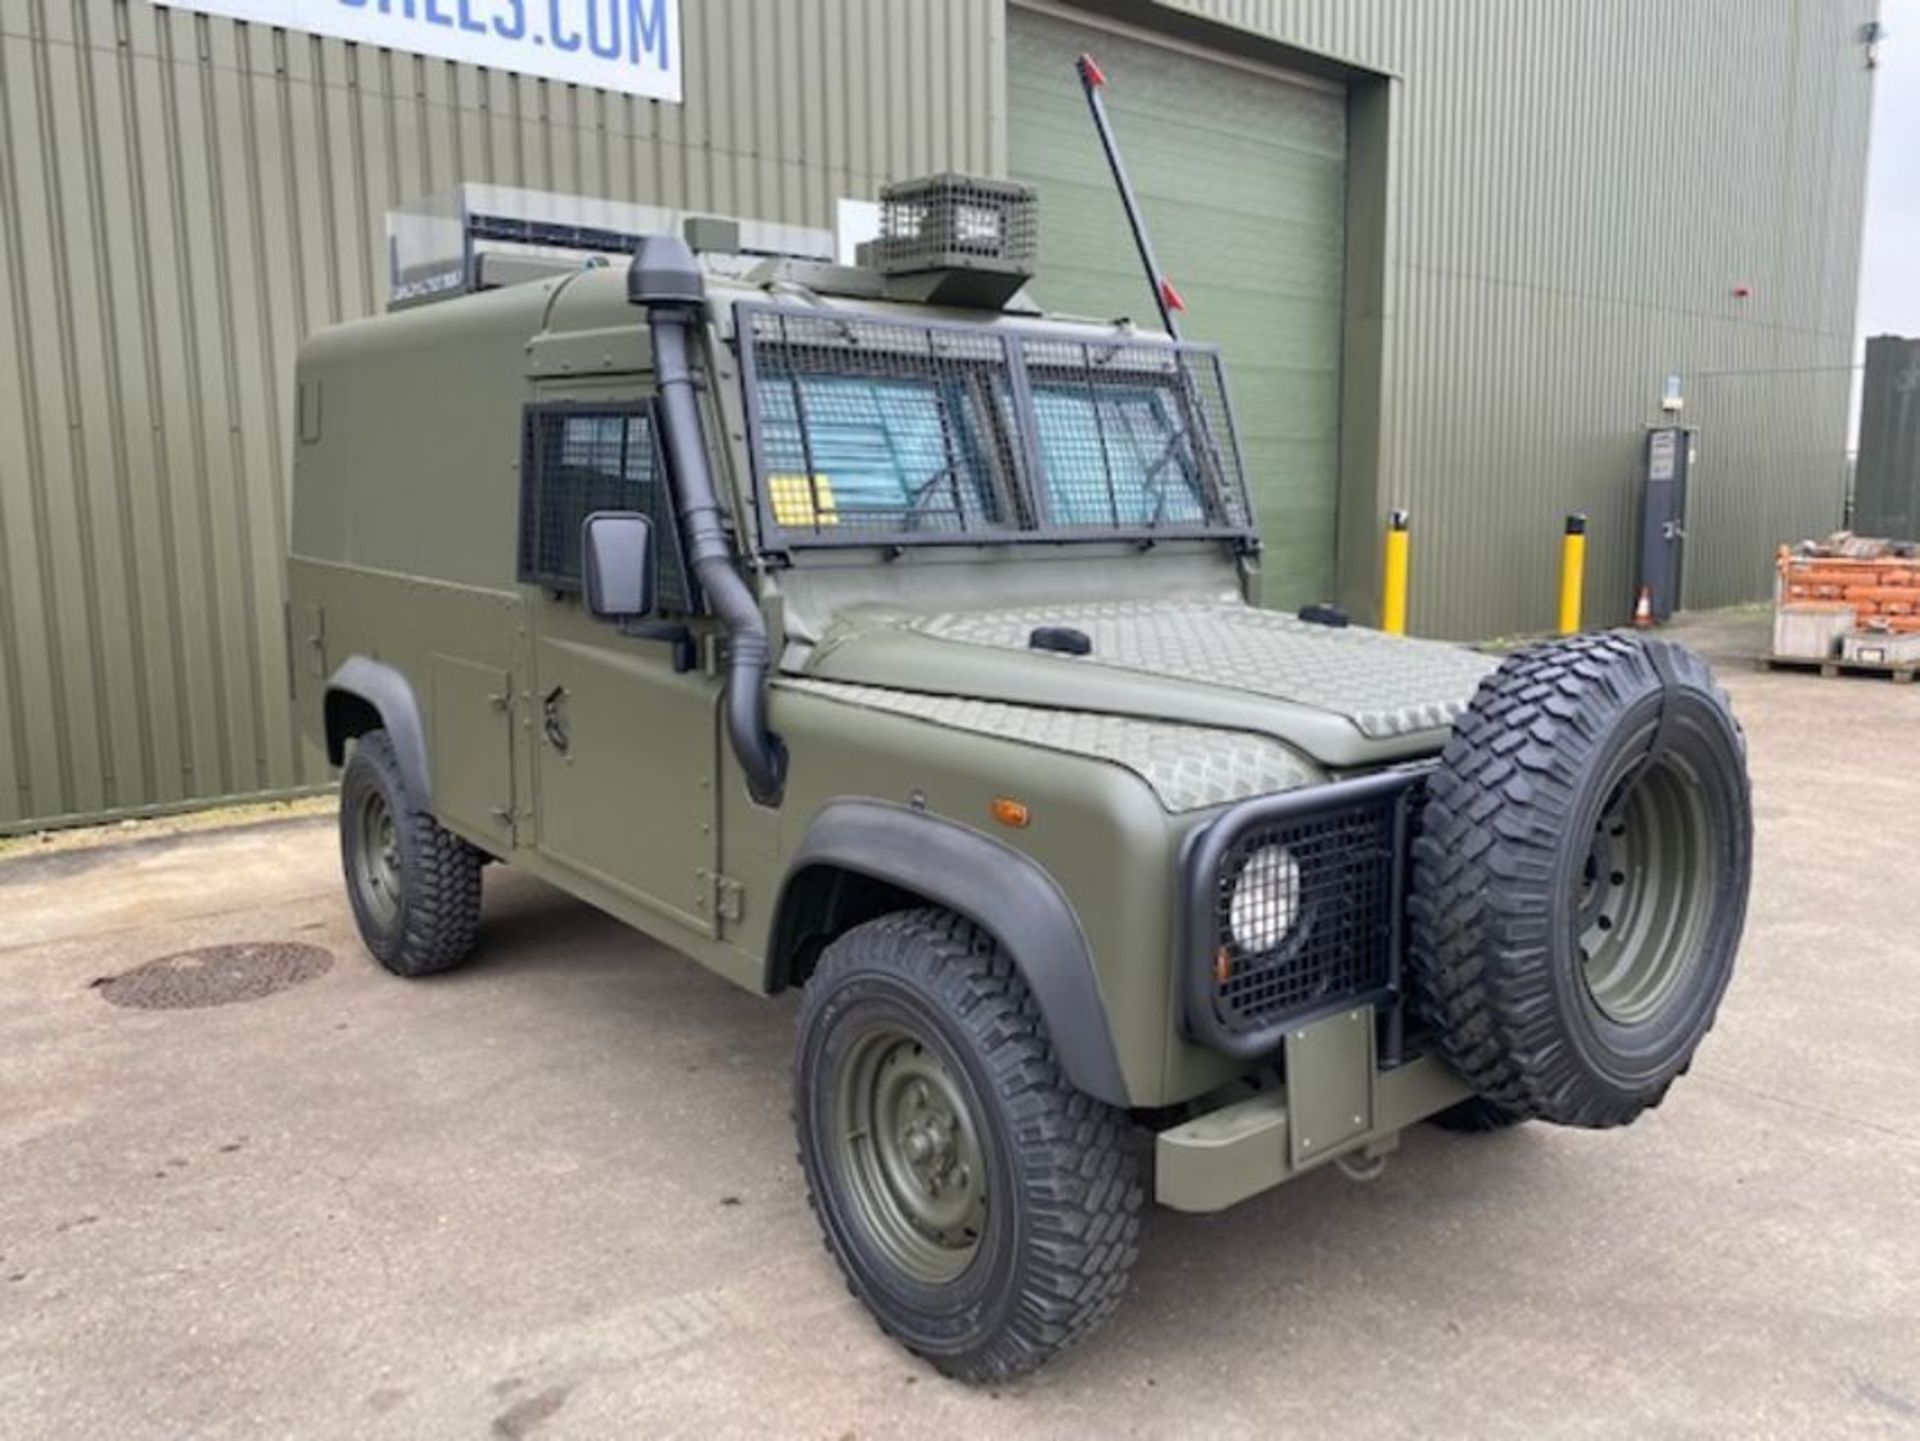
<point>1573,572</point>
<point>1393,581</point>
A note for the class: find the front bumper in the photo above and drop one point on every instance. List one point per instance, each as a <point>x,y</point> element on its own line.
<point>1336,1103</point>
<point>1325,1002</point>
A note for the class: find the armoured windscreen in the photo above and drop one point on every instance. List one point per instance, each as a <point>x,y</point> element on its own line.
<point>862,430</point>
<point>873,431</point>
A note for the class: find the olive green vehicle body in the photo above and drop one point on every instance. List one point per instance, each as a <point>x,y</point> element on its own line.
<point>901,687</point>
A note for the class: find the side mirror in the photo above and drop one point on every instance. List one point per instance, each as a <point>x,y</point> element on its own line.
<point>616,564</point>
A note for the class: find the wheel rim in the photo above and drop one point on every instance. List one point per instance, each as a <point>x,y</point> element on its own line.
<point>376,858</point>
<point>1646,892</point>
<point>910,1151</point>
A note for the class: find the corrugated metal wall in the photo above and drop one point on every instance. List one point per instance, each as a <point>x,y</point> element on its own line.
<point>1576,191</point>
<point>183,198</point>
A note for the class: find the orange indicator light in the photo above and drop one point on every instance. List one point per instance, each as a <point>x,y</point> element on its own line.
<point>1010,812</point>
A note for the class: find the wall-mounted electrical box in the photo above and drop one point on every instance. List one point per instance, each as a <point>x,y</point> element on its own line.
<point>1665,463</point>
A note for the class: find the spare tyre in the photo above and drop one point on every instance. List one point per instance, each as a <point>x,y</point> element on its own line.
<point>1580,876</point>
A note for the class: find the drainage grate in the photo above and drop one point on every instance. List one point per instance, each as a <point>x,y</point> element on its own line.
<point>215,976</point>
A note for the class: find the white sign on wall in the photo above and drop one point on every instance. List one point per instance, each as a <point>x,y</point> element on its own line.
<point>632,46</point>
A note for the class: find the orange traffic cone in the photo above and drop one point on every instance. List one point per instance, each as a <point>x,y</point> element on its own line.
<point>1643,609</point>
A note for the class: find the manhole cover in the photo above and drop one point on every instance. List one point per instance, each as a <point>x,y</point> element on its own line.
<point>215,976</point>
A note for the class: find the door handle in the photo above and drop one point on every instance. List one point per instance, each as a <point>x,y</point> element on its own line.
<point>553,719</point>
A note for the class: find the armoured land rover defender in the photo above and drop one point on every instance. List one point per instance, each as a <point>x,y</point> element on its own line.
<point>861,631</point>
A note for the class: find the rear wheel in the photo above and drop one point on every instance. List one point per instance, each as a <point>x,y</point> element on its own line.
<point>413,885</point>
<point>1580,878</point>
<point>985,1211</point>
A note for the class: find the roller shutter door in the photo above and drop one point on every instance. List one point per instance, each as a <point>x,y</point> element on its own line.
<point>1242,174</point>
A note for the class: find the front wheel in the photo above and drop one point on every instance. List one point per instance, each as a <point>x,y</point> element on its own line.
<point>985,1211</point>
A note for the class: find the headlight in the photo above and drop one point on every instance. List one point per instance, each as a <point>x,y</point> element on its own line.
<point>1265,901</point>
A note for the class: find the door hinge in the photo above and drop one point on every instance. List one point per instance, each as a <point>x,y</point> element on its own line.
<point>722,896</point>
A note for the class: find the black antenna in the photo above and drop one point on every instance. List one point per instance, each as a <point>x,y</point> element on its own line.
<point>1093,80</point>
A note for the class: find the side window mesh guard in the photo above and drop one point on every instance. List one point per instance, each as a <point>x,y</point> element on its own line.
<point>577,459</point>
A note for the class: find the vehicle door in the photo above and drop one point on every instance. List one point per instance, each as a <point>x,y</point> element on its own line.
<point>626,722</point>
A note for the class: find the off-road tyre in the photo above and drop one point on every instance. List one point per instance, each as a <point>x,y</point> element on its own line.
<point>425,918</point>
<point>1605,770</point>
<point>1061,1188</point>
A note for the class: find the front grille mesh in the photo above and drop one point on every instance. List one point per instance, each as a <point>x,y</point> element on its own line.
<point>1331,875</point>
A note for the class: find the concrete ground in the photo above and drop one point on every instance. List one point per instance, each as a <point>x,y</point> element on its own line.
<point>554,1195</point>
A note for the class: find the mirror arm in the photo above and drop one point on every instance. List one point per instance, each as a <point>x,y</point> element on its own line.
<point>686,652</point>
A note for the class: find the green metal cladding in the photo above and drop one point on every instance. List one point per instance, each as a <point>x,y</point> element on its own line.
<point>1575,193</point>
<point>182,199</point>
<point>1567,198</point>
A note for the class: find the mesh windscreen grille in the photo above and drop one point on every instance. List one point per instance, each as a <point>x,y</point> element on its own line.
<point>579,461</point>
<point>1303,914</point>
<point>868,430</point>
<point>870,426</point>
<point>1127,436</point>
